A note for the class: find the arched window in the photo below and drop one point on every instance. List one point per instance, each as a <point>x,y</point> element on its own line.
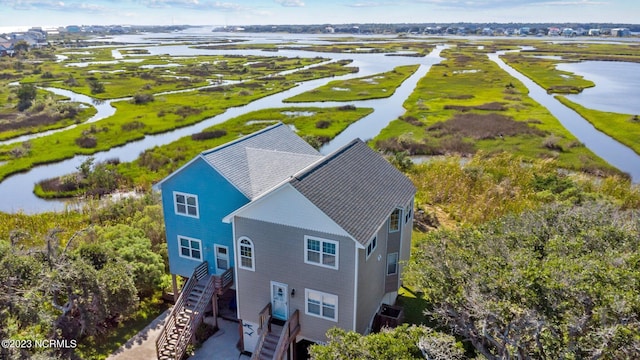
<point>246,254</point>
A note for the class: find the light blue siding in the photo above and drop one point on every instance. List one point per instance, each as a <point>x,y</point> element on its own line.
<point>216,199</point>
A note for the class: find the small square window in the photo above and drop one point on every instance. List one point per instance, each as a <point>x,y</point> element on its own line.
<point>190,248</point>
<point>186,204</point>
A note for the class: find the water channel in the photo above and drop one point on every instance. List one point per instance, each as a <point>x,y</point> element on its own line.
<point>17,190</point>
<point>601,144</point>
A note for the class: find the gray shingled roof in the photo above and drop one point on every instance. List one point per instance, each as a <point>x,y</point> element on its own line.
<point>356,187</point>
<point>257,162</point>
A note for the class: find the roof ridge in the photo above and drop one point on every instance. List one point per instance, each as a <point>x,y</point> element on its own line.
<point>241,139</point>
<point>300,175</point>
<point>280,151</point>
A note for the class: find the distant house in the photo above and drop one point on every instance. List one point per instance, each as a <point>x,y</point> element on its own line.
<point>6,48</point>
<point>309,242</point>
<point>620,32</point>
<point>324,249</point>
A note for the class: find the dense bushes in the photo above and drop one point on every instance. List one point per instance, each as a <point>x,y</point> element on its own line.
<point>559,282</point>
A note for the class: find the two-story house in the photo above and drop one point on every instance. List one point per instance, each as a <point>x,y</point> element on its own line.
<point>197,196</point>
<point>322,249</point>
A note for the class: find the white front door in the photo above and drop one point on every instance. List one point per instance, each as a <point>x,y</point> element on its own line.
<point>222,258</point>
<point>279,301</point>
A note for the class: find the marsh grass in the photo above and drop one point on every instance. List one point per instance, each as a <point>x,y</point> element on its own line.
<point>457,111</point>
<point>624,128</point>
<point>370,87</point>
<point>544,73</point>
<point>491,185</point>
<point>156,163</point>
<point>165,113</point>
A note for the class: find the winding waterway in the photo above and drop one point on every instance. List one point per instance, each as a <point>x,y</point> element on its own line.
<point>601,144</point>
<point>16,190</point>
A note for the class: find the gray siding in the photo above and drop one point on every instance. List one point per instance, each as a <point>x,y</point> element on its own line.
<point>371,278</point>
<point>393,245</point>
<point>405,246</point>
<point>279,256</point>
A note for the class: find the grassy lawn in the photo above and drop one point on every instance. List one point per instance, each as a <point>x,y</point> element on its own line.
<point>468,104</point>
<point>622,127</point>
<point>164,113</point>
<point>369,87</point>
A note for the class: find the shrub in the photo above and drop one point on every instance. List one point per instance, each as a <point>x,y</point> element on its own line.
<point>411,120</point>
<point>347,108</point>
<point>132,125</point>
<point>552,142</point>
<point>87,141</point>
<point>140,99</point>
<point>205,135</point>
<point>323,124</point>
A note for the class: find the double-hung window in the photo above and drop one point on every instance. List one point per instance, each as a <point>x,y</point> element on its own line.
<point>394,221</point>
<point>321,252</point>
<point>246,254</point>
<point>185,204</point>
<point>190,248</point>
<point>321,305</point>
<point>392,263</point>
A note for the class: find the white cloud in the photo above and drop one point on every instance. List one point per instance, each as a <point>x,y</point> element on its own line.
<point>290,3</point>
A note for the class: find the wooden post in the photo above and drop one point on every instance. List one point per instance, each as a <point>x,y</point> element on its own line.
<point>214,305</point>
<point>174,283</point>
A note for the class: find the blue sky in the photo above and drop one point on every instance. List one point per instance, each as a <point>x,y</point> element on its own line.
<point>244,12</point>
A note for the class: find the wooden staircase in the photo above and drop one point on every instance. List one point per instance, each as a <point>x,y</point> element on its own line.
<point>188,312</point>
<point>275,340</point>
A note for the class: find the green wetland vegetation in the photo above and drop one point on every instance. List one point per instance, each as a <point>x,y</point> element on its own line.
<point>151,114</point>
<point>622,127</point>
<point>516,223</point>
<point>369,87</point>
<point>468,104</point>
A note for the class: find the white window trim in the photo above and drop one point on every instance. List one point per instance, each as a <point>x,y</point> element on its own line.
<point>253,254</point>
<point>399,220</point>
<point>397,259</point>
<point>215,253</point>
<point>306,250</point>
<point>373,246</point>
<point>322,295</point>
<point>190,240</point>
<point>175,205</point>
<point>409,213</point>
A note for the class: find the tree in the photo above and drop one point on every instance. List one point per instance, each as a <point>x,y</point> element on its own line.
<point>560,282</point>
<point>132,246</point>
<point>21,46</point>
<point>26,94</point>
<point>402,343</point>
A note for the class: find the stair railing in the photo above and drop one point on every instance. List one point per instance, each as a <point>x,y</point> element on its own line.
<point>290,330</point>
<point>264,328</point>
<point>172,319</point>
